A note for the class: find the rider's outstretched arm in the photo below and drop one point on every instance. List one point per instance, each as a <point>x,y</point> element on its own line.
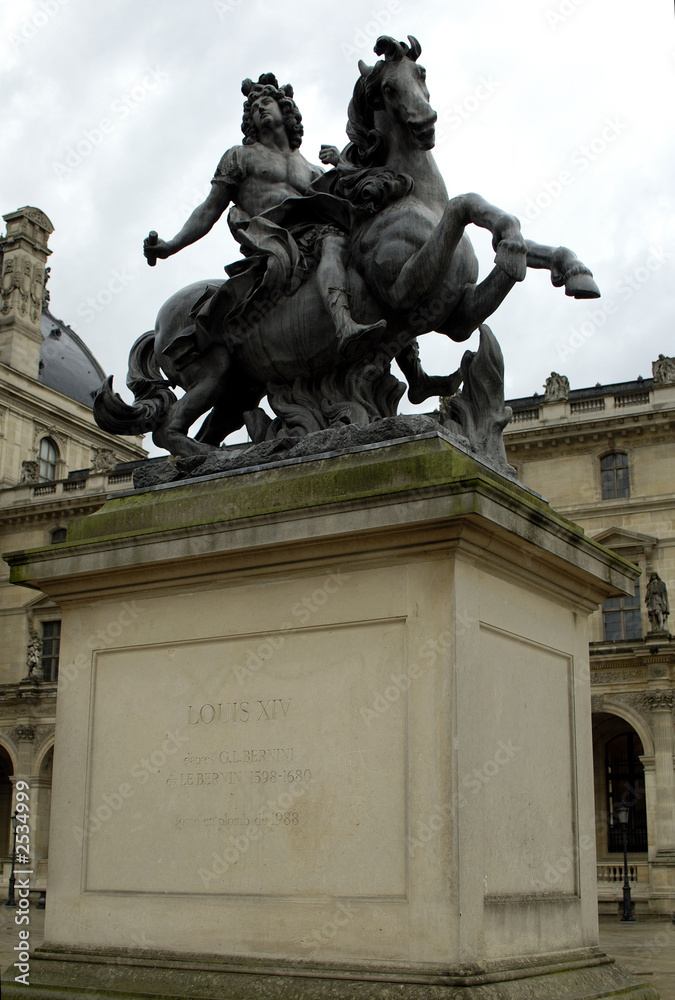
<point>202,220</point>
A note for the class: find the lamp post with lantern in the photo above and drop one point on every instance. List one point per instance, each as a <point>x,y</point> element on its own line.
<point>623,812</point>
<point>12,880</point>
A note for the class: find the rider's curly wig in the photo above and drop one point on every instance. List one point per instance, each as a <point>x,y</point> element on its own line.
<point>369,145</point>
<point>268,84</point>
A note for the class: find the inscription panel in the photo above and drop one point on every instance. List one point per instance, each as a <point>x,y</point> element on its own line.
<point>215,771</point>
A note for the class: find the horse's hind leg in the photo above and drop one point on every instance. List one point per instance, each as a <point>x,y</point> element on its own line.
<point>566,269</point>
<point>420,385</point>
<point>199,397</point>
<point>227,414</point>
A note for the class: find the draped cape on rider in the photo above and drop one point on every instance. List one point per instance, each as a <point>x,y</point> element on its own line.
<point>279,248</point>
<point>280,251</point>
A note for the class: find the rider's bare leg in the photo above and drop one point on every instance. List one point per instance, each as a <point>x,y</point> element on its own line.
<point>566,269</point>
<point>420,272</point>
<point>331,275</point>
<point>420,385</point>
<point>198,398</point>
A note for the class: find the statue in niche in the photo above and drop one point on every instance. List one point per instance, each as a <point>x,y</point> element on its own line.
<point>342,271</point>
<point>557,387</point>
<point>656,600</point>
<point>34,654</point>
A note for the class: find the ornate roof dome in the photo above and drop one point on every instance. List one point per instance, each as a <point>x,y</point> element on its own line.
<point>66,363</point>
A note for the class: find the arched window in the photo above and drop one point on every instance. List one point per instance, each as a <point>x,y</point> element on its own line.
<point>48,456</point>
<point>614,472</point>
<point>625,784</point>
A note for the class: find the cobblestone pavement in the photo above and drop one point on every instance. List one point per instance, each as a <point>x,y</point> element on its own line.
<point>646,947</point>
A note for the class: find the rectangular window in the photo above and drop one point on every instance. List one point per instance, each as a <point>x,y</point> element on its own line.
<point>51,645</point>
<point>615,480</point>
<point>621,617</point>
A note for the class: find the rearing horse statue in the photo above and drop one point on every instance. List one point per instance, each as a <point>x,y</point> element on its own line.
<point>411,264</point>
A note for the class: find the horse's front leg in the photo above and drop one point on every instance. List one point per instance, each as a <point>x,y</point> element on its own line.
<point>422,272</point>
<point>566,269</point>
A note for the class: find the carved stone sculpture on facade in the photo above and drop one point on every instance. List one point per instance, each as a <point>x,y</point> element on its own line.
<point>663,370</point>
<point>343,270</point>
<point>557,387</point>
<point>30,472</point>
<point>656,600</point>
<point>103,460</point>
<point>34,654</point>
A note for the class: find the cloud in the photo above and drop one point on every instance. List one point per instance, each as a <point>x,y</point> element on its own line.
<point>70,67</point>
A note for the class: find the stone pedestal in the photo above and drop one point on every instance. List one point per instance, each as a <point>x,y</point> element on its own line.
<point>324,731</point>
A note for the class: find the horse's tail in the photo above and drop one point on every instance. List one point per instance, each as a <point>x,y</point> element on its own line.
<point>152,394</point>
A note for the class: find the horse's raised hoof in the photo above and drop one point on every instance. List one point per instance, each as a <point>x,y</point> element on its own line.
<point>511,257</point>
<point>360,339</point>
<point>581,286</point>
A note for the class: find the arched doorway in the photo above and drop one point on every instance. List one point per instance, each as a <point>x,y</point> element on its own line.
<point>619,780</point>
<point>6,771</point>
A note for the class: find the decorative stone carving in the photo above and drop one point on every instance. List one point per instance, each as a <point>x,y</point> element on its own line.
<point>11,281</point>
<point>34,654</point>
<point>660,700</point>
<point>24,733</point>
<point>633,699</point>
<point>43,733</point>
<point>478,412</point>
<point>557,387</point>
<point>30,472</point>
<point>663,370</point>
<point>104,460</point>
<point>658,609</point>
<point>314,314</point>
<point>625,676</point>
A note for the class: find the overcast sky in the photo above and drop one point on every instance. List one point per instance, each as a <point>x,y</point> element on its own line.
<point>115,114</point>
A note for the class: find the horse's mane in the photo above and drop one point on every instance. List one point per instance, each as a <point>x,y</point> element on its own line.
<point>369,145</point>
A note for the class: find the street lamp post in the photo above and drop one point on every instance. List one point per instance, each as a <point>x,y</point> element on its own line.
<point>12,881</point>
<point>627,916</point>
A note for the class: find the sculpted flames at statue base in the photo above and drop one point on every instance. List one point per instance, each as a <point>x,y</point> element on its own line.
<point>341,272</point>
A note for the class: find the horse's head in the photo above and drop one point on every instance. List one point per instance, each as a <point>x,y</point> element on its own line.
<point>392,93</point>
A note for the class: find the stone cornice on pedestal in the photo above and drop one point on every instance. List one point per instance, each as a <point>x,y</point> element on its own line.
<point>385,485</point>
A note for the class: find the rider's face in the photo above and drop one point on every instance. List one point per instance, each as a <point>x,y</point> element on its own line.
<point>265,112</point>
